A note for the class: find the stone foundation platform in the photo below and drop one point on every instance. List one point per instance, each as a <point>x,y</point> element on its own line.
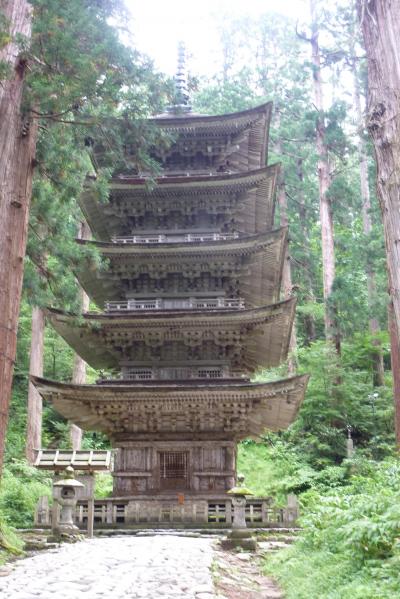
<point>185,512</point>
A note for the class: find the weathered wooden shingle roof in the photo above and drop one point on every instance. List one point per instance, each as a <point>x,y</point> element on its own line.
<point>82,459</point>
<point>249,198</point>
<point>252,338</point>
<point>234,410</point>
<point>255,261</point>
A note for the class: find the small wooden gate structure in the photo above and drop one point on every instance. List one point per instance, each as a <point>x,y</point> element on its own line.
<point>86,463</point>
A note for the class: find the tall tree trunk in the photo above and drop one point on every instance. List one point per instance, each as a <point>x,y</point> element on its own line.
<point>377,357</point>
<point>287,284</point>
<point>395,363</point>
<point>17,151</point>
<point>380,24</point>
<point>309,321</point>
<point>78,378</point>
<point>34,415</point>
<point>324,178</point>
<point>79,370</point>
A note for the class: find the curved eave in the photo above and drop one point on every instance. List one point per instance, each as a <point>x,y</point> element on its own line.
<point>114,409</point>
<point>141,186</point>
<point>253,124</point>
<point>183,248</point>
<point>199,121</point>
<point>261,257</point>
<point>99,338</point>
<point>256,212</point>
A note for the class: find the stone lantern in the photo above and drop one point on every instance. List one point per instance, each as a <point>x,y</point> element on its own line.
<point>66,495</point>
<point>240,536</point>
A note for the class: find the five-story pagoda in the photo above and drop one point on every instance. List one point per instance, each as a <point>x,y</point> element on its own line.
<point>191,298</point>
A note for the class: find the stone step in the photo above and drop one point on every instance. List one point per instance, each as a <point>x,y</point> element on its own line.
<point>272,546</point>
<point>39,545</point>
<point>279,539</point>
<point>149,532</point>
<point>278,532</point>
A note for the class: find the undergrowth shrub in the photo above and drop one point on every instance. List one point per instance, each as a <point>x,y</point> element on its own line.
<point>10,543</point>
<point>103,485</point>
<point>350,545</point>
<point>276,467</point>
<point>20,488</point>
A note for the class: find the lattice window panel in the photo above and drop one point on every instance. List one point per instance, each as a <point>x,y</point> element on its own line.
<point>209,373</point>
<point>173,464</point>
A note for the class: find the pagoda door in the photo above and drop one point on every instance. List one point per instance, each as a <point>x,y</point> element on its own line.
<point>174,466</point>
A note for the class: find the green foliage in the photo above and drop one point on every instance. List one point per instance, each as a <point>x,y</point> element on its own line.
<point>80,62</point>
<point>276,467</point>
<point>20,488</point>
<point>5,37</point>
<point>222,97</point>
<point>103,485</point>
<point>86,89</point>
<point>350,543</point>
<point>340,395</point>
<point>91,96</point>
<point>10,542</point>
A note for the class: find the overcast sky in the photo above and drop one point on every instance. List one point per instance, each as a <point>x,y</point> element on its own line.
<point>159,24</point>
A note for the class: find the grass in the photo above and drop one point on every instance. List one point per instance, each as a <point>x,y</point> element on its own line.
<point>350,544</point>
<point>259,471</point>
<point>10,543</point>
<point>310,574</point>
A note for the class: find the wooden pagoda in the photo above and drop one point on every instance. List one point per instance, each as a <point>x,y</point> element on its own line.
<point>191,309</point>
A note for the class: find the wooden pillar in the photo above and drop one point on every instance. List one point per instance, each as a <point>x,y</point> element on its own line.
<point>55,512</point>
<point>109,517</point>
<point>228,512</point>
<point>90,517</point>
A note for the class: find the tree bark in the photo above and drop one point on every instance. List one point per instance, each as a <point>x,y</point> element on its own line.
<point>79,370</point>
<point>17,151</point>
<point>34,415</point>
<point>395,363</point>
<point>377,357</point>
<point>78,378</point>
<point>324,179</point>
<point>287,284</point>
<point>380,24</point>
<point>309,321</point>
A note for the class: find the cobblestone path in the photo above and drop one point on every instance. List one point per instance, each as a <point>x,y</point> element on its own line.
<point>165,567</point>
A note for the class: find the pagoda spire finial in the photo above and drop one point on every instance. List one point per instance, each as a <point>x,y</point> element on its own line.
<point>182,99</point>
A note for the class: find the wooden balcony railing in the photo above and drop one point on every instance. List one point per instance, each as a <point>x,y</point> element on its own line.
<point>175,238</point>
<point>213,303</point>
<point>214,513</point>
<point>142,374</point>
<point>170,374</point>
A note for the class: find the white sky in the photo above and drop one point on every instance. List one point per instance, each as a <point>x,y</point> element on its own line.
<point>158,25</point>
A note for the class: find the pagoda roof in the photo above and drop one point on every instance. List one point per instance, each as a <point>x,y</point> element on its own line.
<point>199,410</point>
<point>195,124</point>
<point>168,186</point>
<point>136,196</point>
<point>243,135</point>
<point>247,338</point>
<point>257,261</point>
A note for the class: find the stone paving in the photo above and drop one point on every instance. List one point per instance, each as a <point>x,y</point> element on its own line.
<point>239,575</point>
<point>165,567</point>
